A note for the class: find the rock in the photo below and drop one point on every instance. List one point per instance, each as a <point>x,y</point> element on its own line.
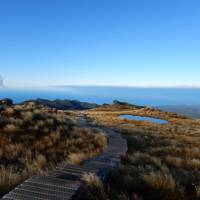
<point>119,103</point>
<point>6,102</point>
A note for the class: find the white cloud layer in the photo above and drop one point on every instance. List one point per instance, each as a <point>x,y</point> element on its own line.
<point>1,81</point>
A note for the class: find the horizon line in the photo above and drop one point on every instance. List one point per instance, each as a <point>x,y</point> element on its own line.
<point>114,86</point>
<point>130,86</point>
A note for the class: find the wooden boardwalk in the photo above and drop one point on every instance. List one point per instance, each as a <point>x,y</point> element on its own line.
<point>65,181</point>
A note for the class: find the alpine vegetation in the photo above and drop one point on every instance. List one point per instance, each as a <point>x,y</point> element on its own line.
<point>35,139</point>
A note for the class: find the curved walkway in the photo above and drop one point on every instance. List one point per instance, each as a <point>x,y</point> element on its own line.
<point>65,181</point>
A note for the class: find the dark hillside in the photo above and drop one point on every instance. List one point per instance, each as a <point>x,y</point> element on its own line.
<point>64,104</point>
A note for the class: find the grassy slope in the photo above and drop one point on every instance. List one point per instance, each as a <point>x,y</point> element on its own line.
<point>162,162</point>
<point>34,139</point>
<point>188,110</point>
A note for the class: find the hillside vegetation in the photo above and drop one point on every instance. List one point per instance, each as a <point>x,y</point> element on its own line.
<point>188,110</point>
<point>162,162</point>
<point>64,104</point>
<point>34,139</point>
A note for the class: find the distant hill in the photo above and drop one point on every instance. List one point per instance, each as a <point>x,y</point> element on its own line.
<point>188,110</point>
<point>64,104</point>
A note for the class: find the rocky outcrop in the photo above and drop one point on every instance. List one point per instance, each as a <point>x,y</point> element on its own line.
<point>120,103</point>
<point>6,102</point>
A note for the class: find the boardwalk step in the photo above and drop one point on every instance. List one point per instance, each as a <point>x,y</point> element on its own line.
<point>77,168</point>
<point>19,196</point>
<point>37,194</point>
<point>69,171</point>
<point>63,175</point>
<point>48,187</point>
<point>45,190</point>
<point>70,166</point>
<point>56,182</point>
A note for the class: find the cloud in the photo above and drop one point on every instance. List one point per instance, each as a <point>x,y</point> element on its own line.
<point>1,81</point>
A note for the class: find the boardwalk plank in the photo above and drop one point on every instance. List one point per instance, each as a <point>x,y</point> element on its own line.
<point>48,187</point>
<point>39,195</point>
<point>54,191</point>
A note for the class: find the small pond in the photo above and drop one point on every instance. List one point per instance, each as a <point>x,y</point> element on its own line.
<point>140,118</point>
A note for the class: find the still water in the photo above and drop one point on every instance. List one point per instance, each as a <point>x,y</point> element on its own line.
<point>139,118</point>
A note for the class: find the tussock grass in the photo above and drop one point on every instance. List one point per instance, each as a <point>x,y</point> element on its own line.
<point>34,139</point>
<point>160,181</point>
<point>94,187</point>
<point>162,162</point>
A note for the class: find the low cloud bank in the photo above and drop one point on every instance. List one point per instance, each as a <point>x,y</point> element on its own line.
<point>1,81</point>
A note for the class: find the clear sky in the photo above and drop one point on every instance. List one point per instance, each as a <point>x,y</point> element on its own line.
<point>100,42</point>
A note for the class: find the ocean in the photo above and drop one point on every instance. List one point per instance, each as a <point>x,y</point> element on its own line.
<point>100,95</point>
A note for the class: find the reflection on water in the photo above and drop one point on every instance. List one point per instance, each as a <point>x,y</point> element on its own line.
<point>149,119</point>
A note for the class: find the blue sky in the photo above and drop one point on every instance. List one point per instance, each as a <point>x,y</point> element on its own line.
<point>100,42</point>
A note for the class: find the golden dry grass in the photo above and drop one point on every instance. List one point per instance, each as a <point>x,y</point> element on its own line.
<point>94,187</point>
<point>34,139</point>
<point>163,160</point>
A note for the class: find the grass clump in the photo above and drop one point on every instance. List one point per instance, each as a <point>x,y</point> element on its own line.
<point>94,187</point>
<point>34,139</point>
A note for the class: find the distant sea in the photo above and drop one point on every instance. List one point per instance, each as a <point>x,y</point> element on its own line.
<point>100,95</point>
